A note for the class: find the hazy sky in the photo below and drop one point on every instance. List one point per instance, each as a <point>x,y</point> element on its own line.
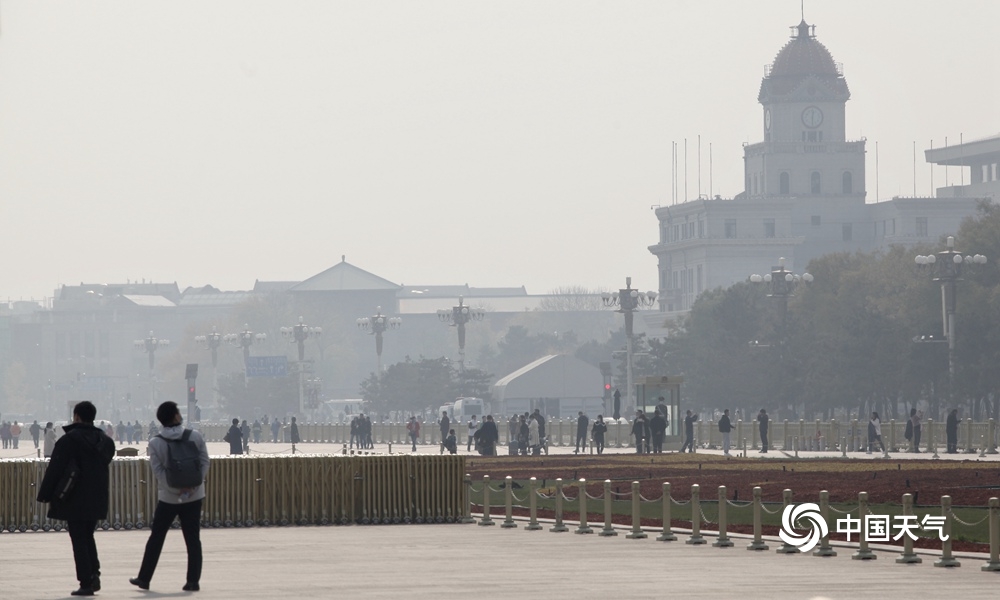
<point>489,143</point>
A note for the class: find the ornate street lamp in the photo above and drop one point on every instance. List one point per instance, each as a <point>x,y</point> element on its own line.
<point>298,334</point>
<point>212,341</point>
<point>627,301</point>
<point>377,325</point>
<point>782,283</point>
<point>946,266</point>
<point>458,316</point>
<point>150,345</point>
<point>243,339</point>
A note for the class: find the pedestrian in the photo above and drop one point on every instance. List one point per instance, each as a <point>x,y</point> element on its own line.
<point>76,485</point>
<point>639,431</point>
<point>138,432</point>
<point>582,423</point>
<point>120,432</point>
<point>444,425</point>
<point>523,433</point>
<point>257,428</point>
<point>725,427</point>
<point>276,429</point>
<point>762,420</point>
<point>413,430</point>
<point>153,429</point>
<point>657,430</point>
<point>513,428</point>
<point>15,434</point>
<point>245,436</point>
<point>689,421</point>
<point>49,442</point>
<point>534,438</point>
<point>129,432</point>
<point>5,434</point>
<point>294,432</point>
<point>597,433</point>
<point>109,430</point>
<point>451,442</point>
<point>183,503</point>
<point>488,435</point>
<point>875,432</point>
<point>915,419</point>
<point>367,429</point>
<point>473,426</point>
<point>951,431</point>
<point>543,439</point>
<point>234,438</point>
<point>35,431</point>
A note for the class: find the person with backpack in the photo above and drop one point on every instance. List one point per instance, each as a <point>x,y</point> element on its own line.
<point>178,458</point>
<point>451,442</point>
<point>597,433</point>
<point>725,428</point>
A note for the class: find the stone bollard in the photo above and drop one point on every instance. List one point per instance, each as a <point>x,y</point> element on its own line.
<point>723,541</point>
<point>758,541</point>
<point>992,442</point>
<point>467,515</point>
<point>344,450</point>
<point>824,549</point>
<point>982,446</point>
<point>486,520</point>
<point>582,498</point>
<point>946,560</point>
<point>696,537</point>
<point>533,504</point>
<point>744,447</point>
<point>795,442</point>
<point>785,547</point>
<point>637,532</point>
<point>508,521</point>
<point>994,564</point>
<point>892,436</point>
<point>908,556</point>
<point>864,552</point>
<point>608,529</point>
<point>559,526</point>
<point>668,534</point>
<point>843,447</point>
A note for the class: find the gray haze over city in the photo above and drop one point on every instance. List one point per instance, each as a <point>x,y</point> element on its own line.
<point>489,143</point>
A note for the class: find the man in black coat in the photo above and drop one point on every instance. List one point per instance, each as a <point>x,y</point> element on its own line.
<point>487,435</point>
<point>689,421</point>
<point>235,438</point>
<point>951,431</point>
<point>582,422</point>
<point>658,429</point>
<point>86,451</point>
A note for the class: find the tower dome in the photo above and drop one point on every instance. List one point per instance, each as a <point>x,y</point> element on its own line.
<point>802,57</point>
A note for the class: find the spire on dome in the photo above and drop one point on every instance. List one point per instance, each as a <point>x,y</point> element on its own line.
<point>803,31</point>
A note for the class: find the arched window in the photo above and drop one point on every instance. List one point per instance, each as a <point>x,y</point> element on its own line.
<point>848,182</point>
<point>814,182</point>
<point>783,183</point>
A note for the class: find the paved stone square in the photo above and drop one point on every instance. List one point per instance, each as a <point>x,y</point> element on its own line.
<point>439,561</point>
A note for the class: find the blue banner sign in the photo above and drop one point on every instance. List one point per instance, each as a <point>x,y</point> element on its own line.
<point>267,366</point>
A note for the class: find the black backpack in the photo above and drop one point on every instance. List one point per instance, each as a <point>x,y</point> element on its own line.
<point>183,462</point>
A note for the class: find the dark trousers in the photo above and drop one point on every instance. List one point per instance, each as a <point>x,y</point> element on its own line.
<point>81,535</point>
<point>638,445</point>
<point>190,515</point>
<point>599,444</point>
<point>581,440</point>
<point>763,440</point>
<point>657,444</point>
<point>688,442</point>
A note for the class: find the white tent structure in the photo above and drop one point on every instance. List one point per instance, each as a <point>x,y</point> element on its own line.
<point>559,385</point>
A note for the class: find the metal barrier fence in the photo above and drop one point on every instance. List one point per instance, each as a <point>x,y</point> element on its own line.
<point>244,491</point>
<point>811,435</point>
<point>946,522</point>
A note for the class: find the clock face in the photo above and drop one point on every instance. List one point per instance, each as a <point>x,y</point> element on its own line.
<point>767,119</point>
<point>812,117</point>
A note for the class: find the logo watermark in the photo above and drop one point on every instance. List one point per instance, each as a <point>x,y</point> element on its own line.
<point>794,515</point>
<point>876,528</point>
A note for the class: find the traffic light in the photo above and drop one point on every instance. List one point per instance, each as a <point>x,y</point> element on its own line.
<point>191,394</point>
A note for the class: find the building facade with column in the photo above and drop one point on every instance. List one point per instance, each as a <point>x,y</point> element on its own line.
<point>804,190</point>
